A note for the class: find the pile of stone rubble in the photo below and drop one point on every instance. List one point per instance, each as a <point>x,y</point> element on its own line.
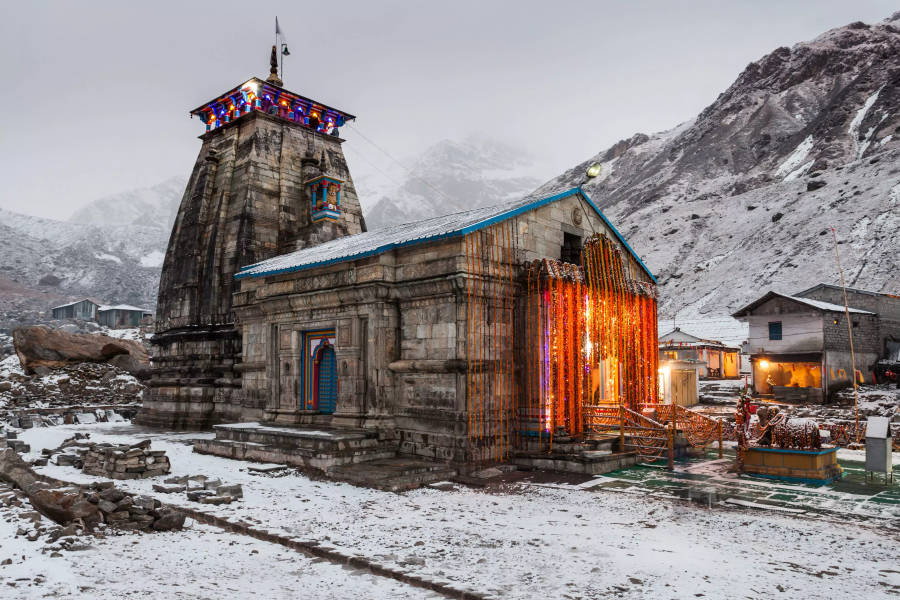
<point>137,461</point>
<point>91,507</point>
<point>130,512</point>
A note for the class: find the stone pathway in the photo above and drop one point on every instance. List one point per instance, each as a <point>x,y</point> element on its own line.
<point>707,482</point>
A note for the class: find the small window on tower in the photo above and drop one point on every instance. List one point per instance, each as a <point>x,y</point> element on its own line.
<point>571,249</point>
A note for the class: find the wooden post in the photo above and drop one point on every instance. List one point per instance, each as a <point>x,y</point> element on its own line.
<point>720,438</point>
<point>671,435</point>
<point>621,428</point>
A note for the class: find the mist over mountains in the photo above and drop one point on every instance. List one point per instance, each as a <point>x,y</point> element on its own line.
<point>739,200</point>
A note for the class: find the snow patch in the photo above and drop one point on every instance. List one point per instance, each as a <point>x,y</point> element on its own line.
<point>853,130</point>
<point>110,257</point>
<point>791,164</point>
<point>153,259</point>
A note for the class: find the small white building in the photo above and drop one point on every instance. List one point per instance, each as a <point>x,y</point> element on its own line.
<point>714,360</point>
<point>678,382</point>
<point>122,316</point>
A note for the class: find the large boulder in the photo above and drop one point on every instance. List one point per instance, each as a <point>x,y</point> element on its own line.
<point>41,346</point>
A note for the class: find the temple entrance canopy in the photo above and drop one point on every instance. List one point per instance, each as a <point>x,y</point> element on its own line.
<point>591,340</point>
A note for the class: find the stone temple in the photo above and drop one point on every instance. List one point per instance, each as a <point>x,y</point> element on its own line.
<point>494,334</point>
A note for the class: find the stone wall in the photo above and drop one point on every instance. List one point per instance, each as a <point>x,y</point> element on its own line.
<point>400,322</point>
<point>886,306</point>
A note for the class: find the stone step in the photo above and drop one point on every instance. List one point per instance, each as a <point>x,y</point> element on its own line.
<point>304,440</point>
<point>294,457</point>
<point>587,463</point>
<point>393,474</point>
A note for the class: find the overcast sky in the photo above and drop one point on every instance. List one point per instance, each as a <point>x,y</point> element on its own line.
<point>98,93</point>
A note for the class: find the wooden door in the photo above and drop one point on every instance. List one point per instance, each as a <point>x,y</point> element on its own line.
<point>326,380</point>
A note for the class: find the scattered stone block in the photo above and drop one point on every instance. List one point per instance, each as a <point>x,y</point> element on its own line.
<point>212,484</point>
<point>197,482</point>
<point>196,495</point>
<point>147,502</point>
<point>216,500</point>
<point>111,494</point>
<point>65,460</point>
<point>444,486</point>
<point>169,489</point>
<point>169,522</point>
<point>235,491</point>
<point>488,473</point>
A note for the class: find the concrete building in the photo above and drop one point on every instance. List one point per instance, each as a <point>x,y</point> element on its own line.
<point>886,306</point>
<point>81,309</point>
<point>714,360</point>
<point>122,316</point>
<point>800,347</point>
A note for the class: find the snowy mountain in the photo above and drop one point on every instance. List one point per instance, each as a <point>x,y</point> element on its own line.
<point>448,177</point>
<point>155,206</point>
<point>45,263</point>
<point>111,250</point>
<point>742,199</point>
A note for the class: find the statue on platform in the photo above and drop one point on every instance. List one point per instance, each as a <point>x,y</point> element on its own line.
<point>776,428</point>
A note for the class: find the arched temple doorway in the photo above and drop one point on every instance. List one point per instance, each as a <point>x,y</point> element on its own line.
<point>325,378</point>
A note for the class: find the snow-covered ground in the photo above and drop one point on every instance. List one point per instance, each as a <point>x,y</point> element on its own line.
<point>201,562</point>
<point>527,541</point>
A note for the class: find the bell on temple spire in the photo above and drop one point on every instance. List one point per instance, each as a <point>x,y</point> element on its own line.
<point>273,77</point>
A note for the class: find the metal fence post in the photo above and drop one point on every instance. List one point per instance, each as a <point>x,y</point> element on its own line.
<point>671,436</point>
<point>720,439</point>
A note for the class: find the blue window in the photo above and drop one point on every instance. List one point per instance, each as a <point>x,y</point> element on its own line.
<point>774,330</point>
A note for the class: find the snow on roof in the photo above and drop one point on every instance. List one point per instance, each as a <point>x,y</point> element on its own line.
<point>76,302</point>
<point>837,287</point>
<point>721,329</point>
<point>124,307</point>
<point>371,243</point>
<point>826,305</point>
<point>817,304</point>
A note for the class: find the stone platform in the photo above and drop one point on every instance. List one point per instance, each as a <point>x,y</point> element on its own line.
<point>356,456</point>
<point>593,456</point>
<point>818,467</point>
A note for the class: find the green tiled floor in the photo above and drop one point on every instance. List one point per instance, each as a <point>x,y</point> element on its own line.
<point>706,481</point>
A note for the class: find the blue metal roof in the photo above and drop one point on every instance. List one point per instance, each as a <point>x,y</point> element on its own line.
<point>376,242</point>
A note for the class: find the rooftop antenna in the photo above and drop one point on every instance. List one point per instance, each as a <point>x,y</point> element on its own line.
<point>837,256</point>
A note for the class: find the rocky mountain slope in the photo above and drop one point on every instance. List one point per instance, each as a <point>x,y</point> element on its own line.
<point>742,199</point>
<point>111,249</point>
<point>44,263</point>
<point>448,177</point>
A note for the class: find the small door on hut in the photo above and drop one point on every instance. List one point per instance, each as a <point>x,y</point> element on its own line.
<point>325,379</point>
<point>684,388</point>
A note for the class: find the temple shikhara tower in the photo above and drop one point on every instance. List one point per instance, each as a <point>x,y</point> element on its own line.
<point>270,178</point>
<point>499,333</point>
